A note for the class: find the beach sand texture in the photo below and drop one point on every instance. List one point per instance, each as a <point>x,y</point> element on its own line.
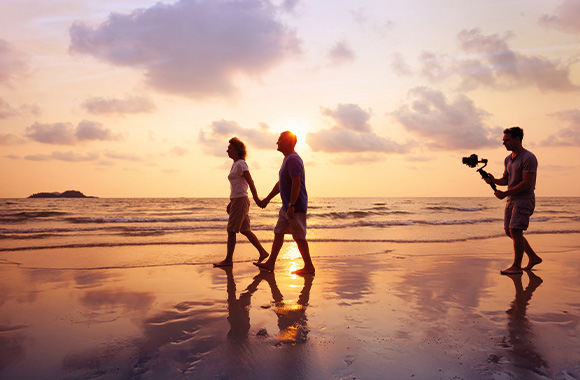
<point>373,311</point>
<point>404,289</point>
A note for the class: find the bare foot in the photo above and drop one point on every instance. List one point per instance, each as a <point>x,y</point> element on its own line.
<point>223,263</point>
<point>533,262</point>
<point>263,255</point>
<point>303,271</point>
<point>512,271</point>
<point>264,267</point>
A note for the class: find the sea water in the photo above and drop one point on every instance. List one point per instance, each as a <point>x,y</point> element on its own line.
<point>44,224</point>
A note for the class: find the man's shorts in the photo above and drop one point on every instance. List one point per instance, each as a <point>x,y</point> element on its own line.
<point>239,221</point>
<point>517,213</point>
<point>296,226</point>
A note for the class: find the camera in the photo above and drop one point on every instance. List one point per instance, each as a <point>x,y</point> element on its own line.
<point>473,160</point>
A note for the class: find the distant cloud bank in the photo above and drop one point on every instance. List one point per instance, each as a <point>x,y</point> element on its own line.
<point>444,125</point>
<point>351,133</point>
<point>193,48</point>
<point>128,105</point>
<point>67,134</point>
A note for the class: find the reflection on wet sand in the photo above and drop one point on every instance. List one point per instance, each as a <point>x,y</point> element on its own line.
<point>292,320</point>
<point>522,345</point>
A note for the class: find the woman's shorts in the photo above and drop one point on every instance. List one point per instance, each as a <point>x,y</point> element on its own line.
<point>239,221</point>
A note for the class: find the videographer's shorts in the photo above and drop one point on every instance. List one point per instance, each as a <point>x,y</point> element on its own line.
<point>239,221</point>
<point>296,226</point>
<point>517,213</point>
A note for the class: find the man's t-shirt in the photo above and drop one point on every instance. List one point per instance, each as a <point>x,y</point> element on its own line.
<point>238,184</point>
<point>293,166</point>
<point>524,162</point>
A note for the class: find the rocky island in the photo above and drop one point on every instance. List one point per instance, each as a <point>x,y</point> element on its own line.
<point>66,194</point>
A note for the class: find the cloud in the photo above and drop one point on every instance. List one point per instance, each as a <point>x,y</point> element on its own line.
<point>352,133</point>
<point>67,134</point>
<point>178,151</point>
<point>10,139</point>
<point>444,125</point>
<point>192,48</point>
<point>6,110</point>
<point>63,156</point>
<point>215,140</point>
<point>341,53</point>
<point>130,104</point>
<point>490,62</point>
<point>12,62</point>
<point>568,136</point>
<point>350,116</point>
<point>123,156</point>
<point>566,17</point>
<point>399,66</point>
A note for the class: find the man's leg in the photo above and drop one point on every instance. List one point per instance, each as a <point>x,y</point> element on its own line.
<point>305,253</point>
<point>519,246</point>
<point>534,259</point>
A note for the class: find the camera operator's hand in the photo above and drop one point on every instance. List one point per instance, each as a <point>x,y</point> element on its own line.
<point>500,194</point>
<point>489,178</point>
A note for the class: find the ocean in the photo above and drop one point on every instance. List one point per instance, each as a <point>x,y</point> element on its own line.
<point>48,224</point>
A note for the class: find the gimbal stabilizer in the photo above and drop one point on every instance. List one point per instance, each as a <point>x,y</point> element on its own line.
<point>472,162</point>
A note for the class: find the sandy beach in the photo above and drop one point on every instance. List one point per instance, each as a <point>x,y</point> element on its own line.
<point>373,311</point>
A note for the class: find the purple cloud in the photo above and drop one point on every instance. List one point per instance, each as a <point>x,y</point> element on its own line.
<point>12,62</point>
<point>567,136</point>
<point>130,104</point>
<point>215,138</point>
<point>493,64</point>
<point>67,134</point>
<point>192,48</point>
<point>446,125</point>
<point>352,133</point>
<point>63,156</point>
<point>341,53</point>
<point>566,17</point>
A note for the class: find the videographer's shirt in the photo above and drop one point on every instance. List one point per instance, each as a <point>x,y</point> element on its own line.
<point>524,162</point>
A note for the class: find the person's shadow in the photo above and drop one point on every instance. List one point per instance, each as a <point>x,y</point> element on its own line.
<point>525,354</point>
<point>292,320</point>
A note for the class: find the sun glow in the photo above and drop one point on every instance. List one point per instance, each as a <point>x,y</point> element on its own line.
<point>299,126</point>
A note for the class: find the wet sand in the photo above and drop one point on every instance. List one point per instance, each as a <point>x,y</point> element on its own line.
<point>418,311</point>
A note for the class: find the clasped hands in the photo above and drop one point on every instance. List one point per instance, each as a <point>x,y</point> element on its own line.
<point>262,203</point>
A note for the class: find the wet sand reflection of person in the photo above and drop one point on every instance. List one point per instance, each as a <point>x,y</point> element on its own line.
<point>524,352</point>
<point>291,314</point>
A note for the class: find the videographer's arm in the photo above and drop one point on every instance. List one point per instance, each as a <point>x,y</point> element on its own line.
<point>503,181</point>
<point>526,183</point>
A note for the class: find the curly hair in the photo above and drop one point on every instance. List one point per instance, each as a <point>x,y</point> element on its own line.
<point>239,146</point>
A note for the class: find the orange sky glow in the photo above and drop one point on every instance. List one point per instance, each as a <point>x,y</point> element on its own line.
<point>138,98</point>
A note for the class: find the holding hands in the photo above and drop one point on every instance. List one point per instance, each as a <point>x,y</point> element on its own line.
<point>262,203</point>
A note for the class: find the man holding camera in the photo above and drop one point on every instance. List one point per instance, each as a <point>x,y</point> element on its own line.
<point>521,167</point>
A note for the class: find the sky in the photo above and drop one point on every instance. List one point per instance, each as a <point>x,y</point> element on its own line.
<point>138,98</point>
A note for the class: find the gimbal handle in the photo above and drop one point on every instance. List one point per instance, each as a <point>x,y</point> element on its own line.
<point>485,175</point>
